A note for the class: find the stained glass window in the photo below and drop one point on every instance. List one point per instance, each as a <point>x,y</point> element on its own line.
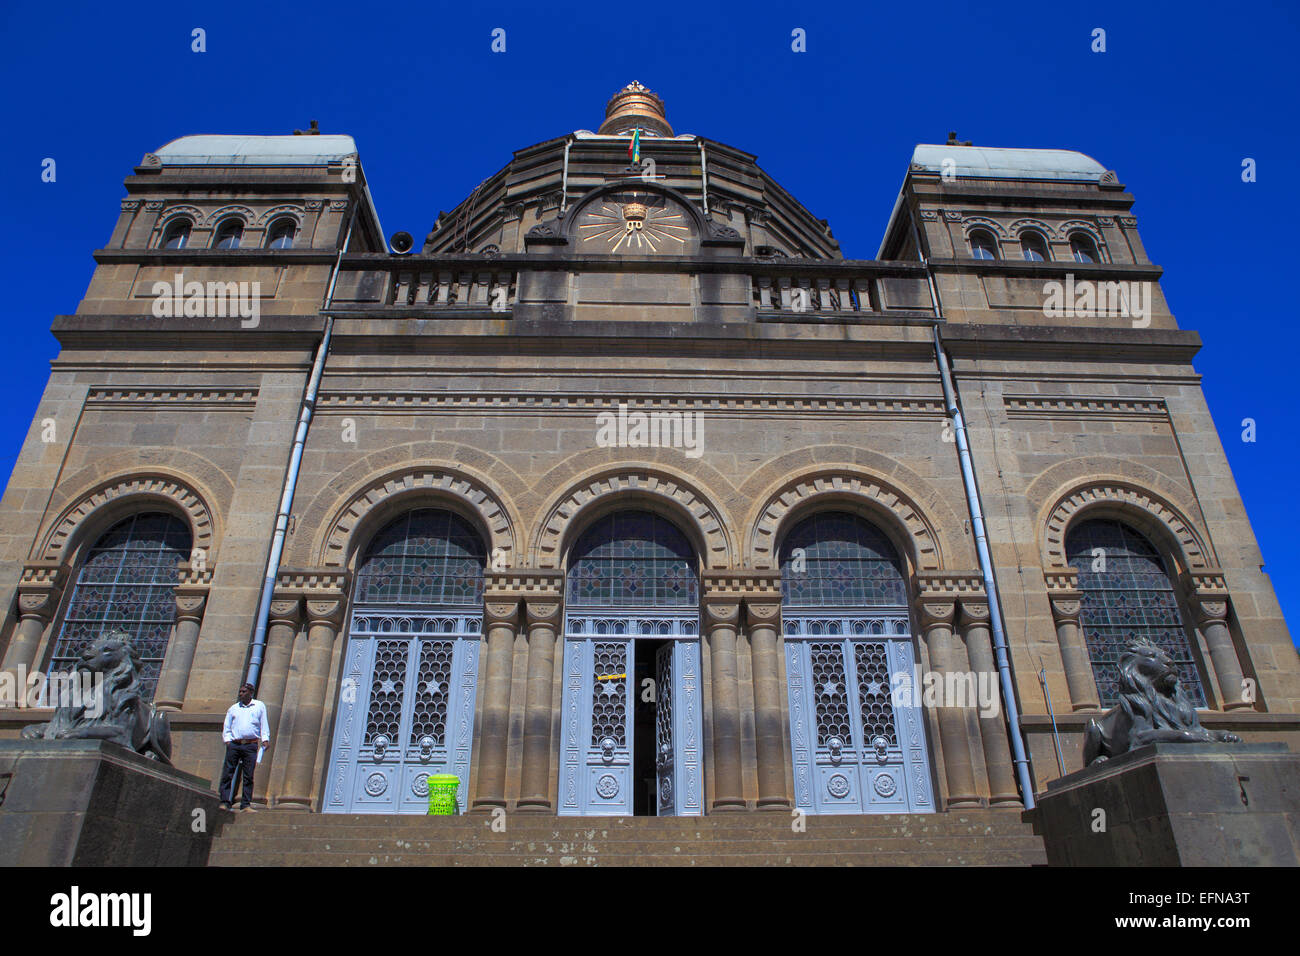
<point>1127,595</point>
<point>835,559</point>
<point>127,583</point>
<point>633,559</point>
<point>425,557</point>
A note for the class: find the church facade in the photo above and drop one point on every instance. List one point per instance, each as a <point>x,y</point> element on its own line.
<point>626,493</point>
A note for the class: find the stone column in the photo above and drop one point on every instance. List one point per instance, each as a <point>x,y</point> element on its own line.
<point>974,623</point>
<point>936,621</point>
<point>501,620</point>
<point>1074,650</point>
<point>769,721</point>
<point>323,620</point>
<point>543,621</point>
<point>39,593</point>
<point>1211,615</point>
<point>191,601</point>
<point>722,617</point>
<point>286,613</point>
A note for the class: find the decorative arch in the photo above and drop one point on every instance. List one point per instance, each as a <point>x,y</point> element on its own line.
<point>1080,225</point>
<point>233,209</point>
<point>192,213</point>
<point>382,498</point>
<point>94,511</point>
<point>970,223</point>
<point>898,514</point>
<point>595,495</point>
<point>289,211</point>
<point>1021,226</point>
<point>1149,512</point>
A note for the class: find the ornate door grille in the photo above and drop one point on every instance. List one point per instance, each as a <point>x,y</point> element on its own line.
<point>858,743</point>
<point>406,709</point>
<point>596,771</point>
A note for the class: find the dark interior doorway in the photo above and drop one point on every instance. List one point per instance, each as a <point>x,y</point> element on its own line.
<point>646,690</point>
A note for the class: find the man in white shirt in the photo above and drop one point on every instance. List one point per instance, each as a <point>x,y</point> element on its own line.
<point>245,732</point>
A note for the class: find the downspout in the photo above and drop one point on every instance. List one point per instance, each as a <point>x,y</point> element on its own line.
<point>953,408</point>
<point>704,178</point>
<point>295,463</point>
<point>564,176</point>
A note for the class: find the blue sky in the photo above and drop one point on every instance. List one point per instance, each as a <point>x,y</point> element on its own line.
<point>1182,94</point>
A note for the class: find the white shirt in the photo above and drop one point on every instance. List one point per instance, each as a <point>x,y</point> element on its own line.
<point>247,721</point>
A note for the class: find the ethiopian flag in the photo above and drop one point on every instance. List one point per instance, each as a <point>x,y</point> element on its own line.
<point>634,147</point>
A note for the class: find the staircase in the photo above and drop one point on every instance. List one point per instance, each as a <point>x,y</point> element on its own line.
<point>959,838</point>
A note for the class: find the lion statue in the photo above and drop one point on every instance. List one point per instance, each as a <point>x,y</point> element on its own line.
<point>1153,708</point>
<point>119,714</point>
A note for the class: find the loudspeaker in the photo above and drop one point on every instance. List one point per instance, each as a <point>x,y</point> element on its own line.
<point>402,242</point>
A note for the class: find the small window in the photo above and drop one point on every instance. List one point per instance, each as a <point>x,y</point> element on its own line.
<point>177,235</point>
<point>1083,248</point>
<point>983,245</point>
<point>228,235</point>
<point>1034,247</point>
<point>281,234</point>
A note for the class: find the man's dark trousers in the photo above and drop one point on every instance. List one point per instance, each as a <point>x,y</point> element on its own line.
<point>244,756</point>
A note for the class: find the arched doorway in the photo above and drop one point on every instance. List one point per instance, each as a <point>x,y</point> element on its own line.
<point>410,671</point>
<point>856,729</point>
<point>630,725</point>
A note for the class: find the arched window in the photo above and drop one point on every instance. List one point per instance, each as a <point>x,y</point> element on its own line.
<point>1082,247</point>
<point>856,728</point>
<point>633,559</point>
<point>228,235</point>
<point>1127,595</point>
<point>281,234</point>
<point>127,583</point>
<point>406,700</point>
<point>177,235</point>
<point>426,557</point>
<point>983,245</point>
<point>834,559</point>
<point>1033,246</point>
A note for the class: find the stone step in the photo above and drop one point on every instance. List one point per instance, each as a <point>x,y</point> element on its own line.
<point>503,844</point>
<point>755,858</point>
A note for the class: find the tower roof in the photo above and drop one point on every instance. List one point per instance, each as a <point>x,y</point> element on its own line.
<point>995,162</point>
<point>226,150</point>
<point>635,107</point>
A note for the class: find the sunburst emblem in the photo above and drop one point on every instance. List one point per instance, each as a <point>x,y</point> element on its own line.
<point>634,225</point>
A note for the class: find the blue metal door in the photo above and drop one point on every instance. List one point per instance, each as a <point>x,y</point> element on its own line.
<point>858,744</point>
<point>596,732</point>
<point>406,710</point>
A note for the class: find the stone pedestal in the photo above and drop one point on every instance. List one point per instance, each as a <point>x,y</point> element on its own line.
<point>1177,805</point>
<point>95,803</point>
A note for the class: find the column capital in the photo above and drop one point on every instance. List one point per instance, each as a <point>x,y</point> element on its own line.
<point>325,611</point>
<point>763,611</point>
<point>936,614</point>
<point>540,611</point>
<point>974,613</point>
<point>1066,606</point>
<point>40,588</point>
<point>286,609</point>
<point>721,610</point>
<point>189,605</point>
<point>500,609</point>
<point>1209,608</point>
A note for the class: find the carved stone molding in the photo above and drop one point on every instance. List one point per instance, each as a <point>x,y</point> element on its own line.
<point>1207,583</point>
<point>1066,607</point>
<point>40,589</point>
<point>1209,609</point>
<point>313,204</point>
<point>1038,406</point>
<point>150,397</point>
<point>744,584</point>
<point>759,611</point>
<point>130,205</point>
<point>1118,494</point>
<point>538,612</point>
<point>338,204</point>
<point>153,205</point>
<point>936,613</point>
<point>144,487</point>
<point>949,585</point>
<point>951,215</point>
<point>1127,222</point>
<point>321,584</point>
<point>796,494</point>
<point>721,610</point>
<point>190,603</point>
<point>545,584</point>
<point>1062,580</point>
<point>1105,221</point>
<point>648,481</point>
<point>930,215</point>
<point>973,613</point>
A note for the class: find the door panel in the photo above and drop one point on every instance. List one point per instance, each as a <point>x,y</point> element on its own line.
<point>855,747</point>
<point>406,710</point>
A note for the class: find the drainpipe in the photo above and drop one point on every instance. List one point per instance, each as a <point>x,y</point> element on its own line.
<point>295,463</point>
<point>953,407</point>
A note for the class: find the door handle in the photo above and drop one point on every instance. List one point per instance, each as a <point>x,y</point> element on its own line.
<point>381,747</point>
